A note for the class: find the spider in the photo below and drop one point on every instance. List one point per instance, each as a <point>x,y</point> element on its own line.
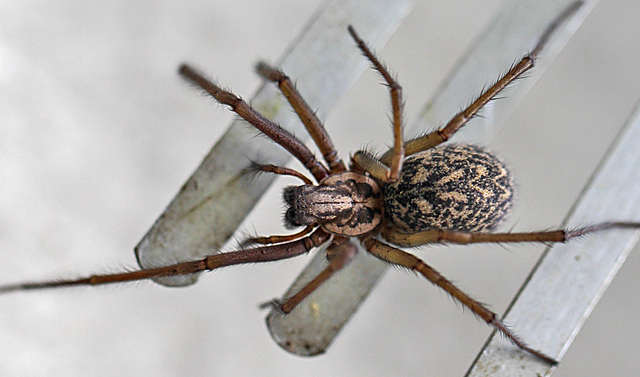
<point>420,192</point>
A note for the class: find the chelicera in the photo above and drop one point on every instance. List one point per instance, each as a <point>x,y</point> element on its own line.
<point>420,192</point>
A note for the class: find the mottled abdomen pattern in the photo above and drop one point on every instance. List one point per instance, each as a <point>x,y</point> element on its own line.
<point>455,187</point>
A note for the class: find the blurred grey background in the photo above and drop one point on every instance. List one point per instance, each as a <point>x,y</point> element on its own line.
<point>97,133</point>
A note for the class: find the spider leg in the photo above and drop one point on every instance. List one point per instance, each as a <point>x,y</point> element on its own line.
<point>447,236</point>
<point>212,262</point>
<point>443,134</point>
<point>362,162</point>
<point>395,90</point>
<point>268,168</point>
<point>280,238</point>
<point>401,258</point>
<point>339,253</point>
<point>272,130</point>
<point>306,114</point>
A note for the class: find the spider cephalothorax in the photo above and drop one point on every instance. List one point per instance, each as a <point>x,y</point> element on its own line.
<point>437,194</point>
<point>347,203</point>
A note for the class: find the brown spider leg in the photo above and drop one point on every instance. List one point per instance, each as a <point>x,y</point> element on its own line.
<point>272,130</point>
<point>212,262</point>
<point>364,162</point>
<point>447,236</point>
<point>395,90</point>
<point>441,135</point>
<point>306,114</point>
<point>269,168</point>
<point>401,258</point>
<point>281,238</point>
<point>339,253</point>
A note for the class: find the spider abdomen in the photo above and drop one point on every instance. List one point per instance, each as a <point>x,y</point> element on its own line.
<point>456,187</point>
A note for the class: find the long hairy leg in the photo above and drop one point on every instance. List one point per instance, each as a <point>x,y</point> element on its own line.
<point>448,236</point>
<point>306,114</point>
<point>212,262</point>
<point>401,258</point>
<point>278,134</point>
<point>395,91</point>
<point>339,253</point>
<point>443,134</point>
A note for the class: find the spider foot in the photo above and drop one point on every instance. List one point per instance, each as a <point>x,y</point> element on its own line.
<point>275,305</point>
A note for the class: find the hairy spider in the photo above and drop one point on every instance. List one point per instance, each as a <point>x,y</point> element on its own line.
<point>420,192</point>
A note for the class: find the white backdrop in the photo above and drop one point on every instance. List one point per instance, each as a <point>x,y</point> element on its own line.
<point>97,133</point>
